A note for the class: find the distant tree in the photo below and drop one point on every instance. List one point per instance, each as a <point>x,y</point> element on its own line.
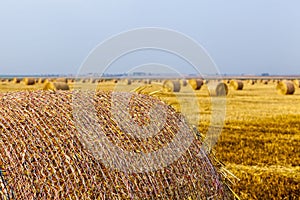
<point>265,74</point>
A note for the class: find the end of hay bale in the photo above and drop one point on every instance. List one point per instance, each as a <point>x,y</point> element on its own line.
<point>53,86</point>
<point>16,80</point>
<point>296,83</point>
<point>196,84</point>
<point>285,88</point>
<point>183,82</point>
<point>237,84</point>
<point>128,81</point>
<point>171,86</point>
<point>62,80</point>
<point>29,81</point>
<point>221,89</point>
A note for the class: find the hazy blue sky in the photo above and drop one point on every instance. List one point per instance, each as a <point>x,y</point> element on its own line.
<point>55,36</point>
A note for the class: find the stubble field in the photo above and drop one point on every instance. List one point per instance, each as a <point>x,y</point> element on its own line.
<point>260,140</point>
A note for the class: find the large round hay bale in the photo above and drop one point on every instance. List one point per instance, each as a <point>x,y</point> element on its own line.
<point>16,80</point>
<point>147,81</point>
<point>128,81</point>
<point>183,82</point>
<point>45,156</point>
<point>53,86</point>
<point>29,81</point>
<point>171,85</point>
<point>237,84</point>
<point>265,82</point>
<point>94,80</point>
<point>221,89</point>
<point>10,79</point>
<point>251,82</point>
<point>296,83</point>
<point>196,84</point>
<point>63,80</point>
<point>285,88</point>
<point>43,80</point>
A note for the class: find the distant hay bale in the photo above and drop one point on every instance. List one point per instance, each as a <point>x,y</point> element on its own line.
<point>147,81</point>
<point>221,89</point>
<point>128,81</point>
<point>29,81</point>
<point>94,80</point>
<point>43,80</point>
<point>251,82</point>
<point>265,82</point>
<point>237,84</point>
<point>196,84</point>
<point>296,83</point>
<point>16,80</point>
<point>183,82</point>
<point>171,86</point>
<point>53,86</point>
<point>286,88</point>
<point>86,80</point>
<point>63,80</point>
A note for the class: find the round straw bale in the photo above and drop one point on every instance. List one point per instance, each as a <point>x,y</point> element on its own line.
<point>63,80</point>
<point>196,84</point>
<point>265,82</point>
<point>237,84</point>
<point>94,80</point>
<point>147,81</point>
<point>16,80</point>
<point>183,82</point>
<point>128,81</point>
<point>221,89</point>
<point>171,86</point>
<point>285,88</point>
<point>44,80</point>
<point>296,83</point>
<point>53,86</point>
<point>29,81</point>
<point>251,82</point>
<point>49,155</point>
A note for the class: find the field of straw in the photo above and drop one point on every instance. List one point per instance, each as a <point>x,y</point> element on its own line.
<point>259,143</point>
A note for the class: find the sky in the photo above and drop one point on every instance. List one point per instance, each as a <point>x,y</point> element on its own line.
<point>241,37</point>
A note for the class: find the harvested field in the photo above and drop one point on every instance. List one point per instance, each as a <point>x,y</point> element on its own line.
<point>259,143</point>
<point>44,156</point>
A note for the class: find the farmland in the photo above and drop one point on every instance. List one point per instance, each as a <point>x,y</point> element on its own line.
<point>260,140</point>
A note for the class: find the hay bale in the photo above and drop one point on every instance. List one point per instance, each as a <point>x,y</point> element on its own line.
<point>43,80</point>
<point>221,89</point>
<point>94,80</point>
<point>16,80</point>
<point>48,158</point>
<point>236,84</point>
<point>29,81</point>
<point>285,88</point>
<point>171,86</point>
<point>128,81</point>
<point>183,82</point>
<point>296,83</point>
<point>251,82</point>
<point>63,80</point>
<point>147,81</point>
<point>196,84</point>
<point>53,86</point>
<point>265,82</point>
